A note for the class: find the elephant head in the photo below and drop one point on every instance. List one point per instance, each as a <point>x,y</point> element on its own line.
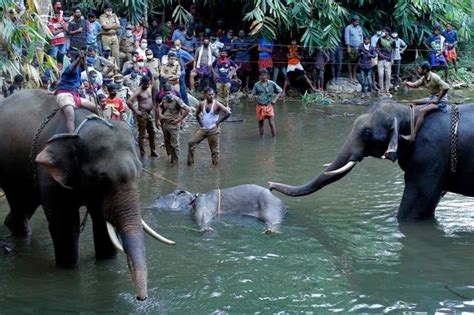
<point>375,133</point>
<point>101,164</point>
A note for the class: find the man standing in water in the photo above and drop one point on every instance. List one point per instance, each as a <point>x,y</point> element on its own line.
<point>266,93</point>
<point>143,115</point>
<point>436,101</point>
<point>169,115</point>
<point>209,119</point>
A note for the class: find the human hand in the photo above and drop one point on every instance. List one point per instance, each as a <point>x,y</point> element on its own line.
<point>349,50</point>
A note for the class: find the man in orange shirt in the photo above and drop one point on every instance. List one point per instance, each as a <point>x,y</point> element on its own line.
<point>114,108</point>
<point>295,70</point>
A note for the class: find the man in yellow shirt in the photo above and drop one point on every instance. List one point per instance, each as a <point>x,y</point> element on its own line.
<point>436,101</point>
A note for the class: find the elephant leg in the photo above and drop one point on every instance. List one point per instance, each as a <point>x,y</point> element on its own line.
<point>104,249</point>
<point>62,212</point>
<point>421,195</point>
<point>22,206</point>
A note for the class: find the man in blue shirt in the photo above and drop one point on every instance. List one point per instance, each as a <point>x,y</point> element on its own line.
<point>93,30</point>
<point>241,47</point>
<point>435,44</point>
<point>451,40</point>
<point>67,92</point>
<point>353,37</point>
<point>179,33</point>
<point>184,59</point>
<point>223,69</point>
<point>159,48</point>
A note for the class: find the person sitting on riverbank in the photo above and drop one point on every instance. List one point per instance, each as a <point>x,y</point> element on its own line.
<point>436,101</point>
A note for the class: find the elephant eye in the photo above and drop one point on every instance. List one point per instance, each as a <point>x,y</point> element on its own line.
<point>367,134</point>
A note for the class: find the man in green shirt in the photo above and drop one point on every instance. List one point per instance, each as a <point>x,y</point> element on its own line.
<point>436,101</point>
<point>266,93</point>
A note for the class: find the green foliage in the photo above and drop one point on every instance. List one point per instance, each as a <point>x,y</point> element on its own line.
<point>316,98</point>
<point>21,43</point>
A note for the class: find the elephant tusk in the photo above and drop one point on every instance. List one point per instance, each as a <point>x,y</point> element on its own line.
<point>113,237</point>
<point>327,164</point>
<point>153,234</point>
<point>341,170</point>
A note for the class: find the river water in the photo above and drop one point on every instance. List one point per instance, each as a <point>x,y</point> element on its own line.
<point>340,250</point>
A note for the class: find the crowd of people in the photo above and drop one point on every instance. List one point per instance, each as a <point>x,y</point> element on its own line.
<point>148,74</point>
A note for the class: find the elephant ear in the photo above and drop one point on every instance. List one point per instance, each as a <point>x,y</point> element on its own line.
<point>59,159</point>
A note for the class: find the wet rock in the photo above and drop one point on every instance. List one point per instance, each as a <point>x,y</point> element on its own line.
<point>342,87</point>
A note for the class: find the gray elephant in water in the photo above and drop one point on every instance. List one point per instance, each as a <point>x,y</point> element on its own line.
<point>97,167</point>
<point>249,200</point>
<point>427,163</point>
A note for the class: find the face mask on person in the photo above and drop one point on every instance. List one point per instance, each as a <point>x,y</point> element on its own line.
<point>143,45</point>
<point>134,59</point>
<point>177,47</point>
<point>140,64</point>
<point>128,33</point>
<point>394,35</point>
<point>159,41</point>
<point>379,33</point>
<point>90,60</point>
<point>149,57</point>
<point>383,34</point>
<point>93,80</point>
<point>134,75</point>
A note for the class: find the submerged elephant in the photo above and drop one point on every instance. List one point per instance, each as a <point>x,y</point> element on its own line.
<point>249,200</point>
<point>96,167</point>
<point>427,162</point>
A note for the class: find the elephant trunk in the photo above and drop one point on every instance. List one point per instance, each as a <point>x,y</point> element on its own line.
<point>342,165</point>
<point>122,210</point>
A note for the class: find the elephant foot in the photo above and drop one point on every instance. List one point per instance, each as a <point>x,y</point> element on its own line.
<point>19,227</point>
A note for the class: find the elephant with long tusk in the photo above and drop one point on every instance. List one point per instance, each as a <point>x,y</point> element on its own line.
<point>97,166</point>
<point>441,159</point>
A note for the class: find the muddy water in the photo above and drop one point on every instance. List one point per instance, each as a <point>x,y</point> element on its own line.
<point>340,250</point>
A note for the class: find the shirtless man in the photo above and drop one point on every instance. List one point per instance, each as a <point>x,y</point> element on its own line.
<point>169,115</point>
<point>209,119</point>
<point>143,115</point>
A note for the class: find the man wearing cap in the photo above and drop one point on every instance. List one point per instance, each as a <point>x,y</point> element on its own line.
<point>77,30</point>
<point>123,92</point>
<point>143,115</point>
<point>171,70</point>
<point>169,114</point>
<point>436,101</point>
<point>110,24</point>
<point>133,79</point>
<point>353,37</point>
<point>266,93</point>
<point>127,44</point>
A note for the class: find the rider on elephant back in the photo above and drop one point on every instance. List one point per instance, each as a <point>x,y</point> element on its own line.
<point>67,92</point>
<point>436,101</point>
